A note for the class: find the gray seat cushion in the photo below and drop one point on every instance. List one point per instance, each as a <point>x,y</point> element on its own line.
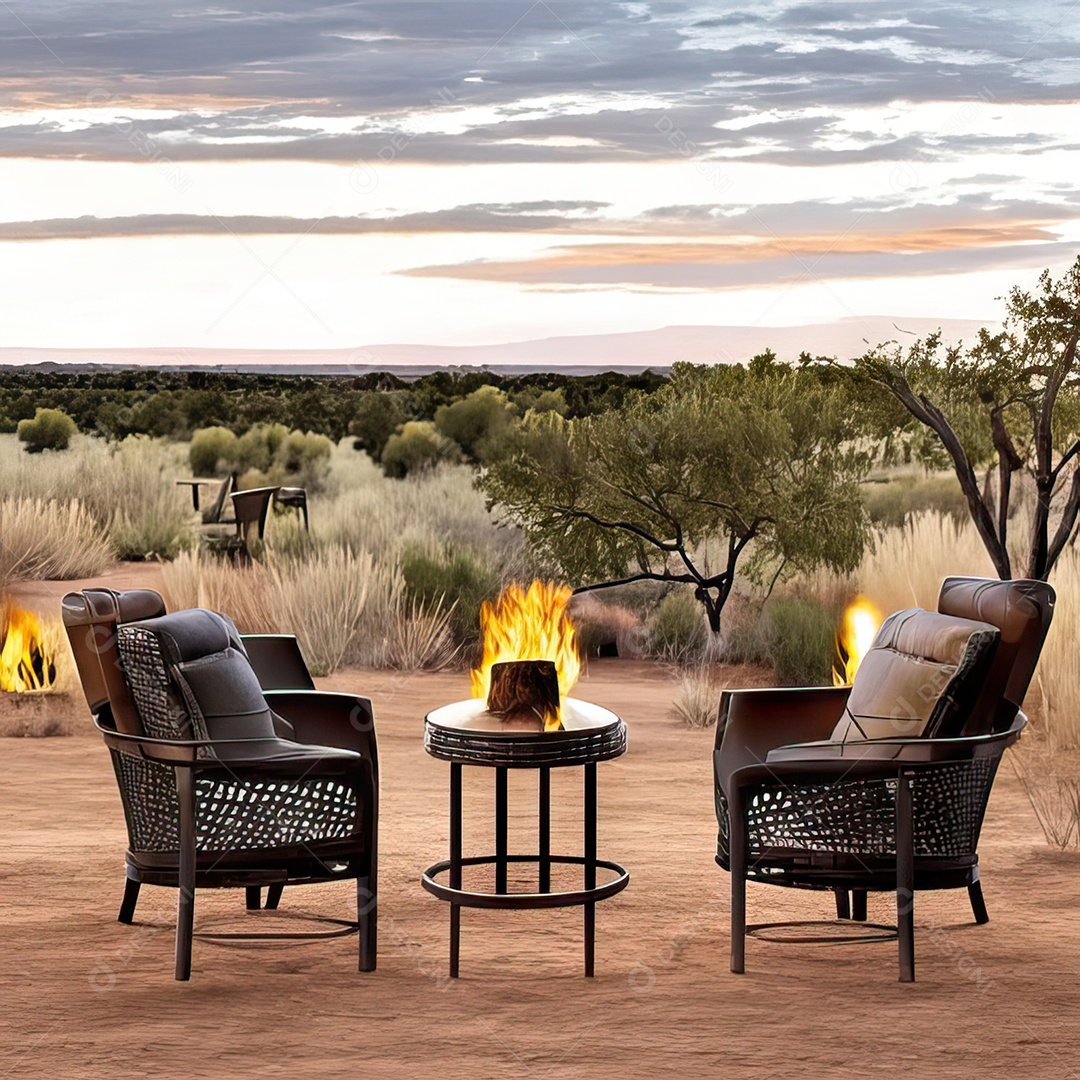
<point>921,677</point>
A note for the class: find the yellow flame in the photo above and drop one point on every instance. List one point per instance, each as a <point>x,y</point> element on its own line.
<point>528,624</point>
<point>23,645</point>
<point>858,628</point>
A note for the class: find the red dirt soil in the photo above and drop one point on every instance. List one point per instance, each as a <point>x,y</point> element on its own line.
<point>84,996</point>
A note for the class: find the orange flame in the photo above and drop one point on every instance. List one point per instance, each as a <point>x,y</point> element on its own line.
<point>528,624</point>
<point>858,628</point>
<point>24,660</point>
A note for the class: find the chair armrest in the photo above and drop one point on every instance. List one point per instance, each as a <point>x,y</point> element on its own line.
<point>328,719</point>
<point>904,751</point>
<point>869,759</point>
<point>753,722</point>
<point>233,754</point>
<point>277,661</point>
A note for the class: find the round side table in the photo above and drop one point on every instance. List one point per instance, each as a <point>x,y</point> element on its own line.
<point>465,733</point>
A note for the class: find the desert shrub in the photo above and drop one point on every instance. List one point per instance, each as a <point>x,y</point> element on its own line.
<point>743,639</point>
<point>50,429</point>
<point>453,579</point>
<point>50,539</point>
<point>800,636</point>
<point>377,417</point>
<point>892,501</point>
<point>417,636</point>
<point>603,628</point>
<point>345,609</point>
<point>697,701</point>
<point>209,447</point>
<point>264,455</point>
<point>416,447</point>
<point>1052,788</point>
<point>477,423</point>
<point>676,629</point>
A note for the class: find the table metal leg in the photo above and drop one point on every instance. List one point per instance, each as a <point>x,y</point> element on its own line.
<point>590,865</point>
<point>545,829</point>
<point>455,865</point>
<point>501,813</point>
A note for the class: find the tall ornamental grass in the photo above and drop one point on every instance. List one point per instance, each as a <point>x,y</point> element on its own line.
<point>126,489</point>
<point>346,609</point>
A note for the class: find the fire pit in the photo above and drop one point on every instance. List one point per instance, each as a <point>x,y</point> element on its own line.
<point>522,722</point>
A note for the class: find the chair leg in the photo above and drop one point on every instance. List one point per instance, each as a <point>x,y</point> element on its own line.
<point>978,905</point>
<point>127,905</point>
<point>905,878</point>
<point>185,905</point>
<point>367,906</point>
<point>843,905</point>
<point>737,839</point>
<point>273,897</point>
<point>254,897</point>
<point>858,905</point>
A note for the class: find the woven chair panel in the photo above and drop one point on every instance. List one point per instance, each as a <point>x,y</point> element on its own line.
<point>238,816</point>
<point>163,712</point>
<point>151,806</point>
<point>231,814</point>
<point>858,817</point>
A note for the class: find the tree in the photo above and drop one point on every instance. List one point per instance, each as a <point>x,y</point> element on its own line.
<point>681,484</point>
<point>1009,404</point>
<point>50,429</point>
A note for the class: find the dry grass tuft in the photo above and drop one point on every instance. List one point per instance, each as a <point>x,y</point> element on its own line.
<point>48,539</point>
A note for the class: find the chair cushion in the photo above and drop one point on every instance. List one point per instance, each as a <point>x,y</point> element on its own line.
<point>921,677</point>
<point>203,686</point>
<point>228,695</point>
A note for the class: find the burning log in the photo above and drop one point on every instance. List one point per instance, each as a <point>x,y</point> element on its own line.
<point>525,693</point>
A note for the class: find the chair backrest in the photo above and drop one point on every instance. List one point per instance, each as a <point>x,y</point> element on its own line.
<point>251,507</point>
<point>214,514</point>
<point>90,619</point>
<point>1022,610</point>
<point>921,676</point>
<point>190,678</point>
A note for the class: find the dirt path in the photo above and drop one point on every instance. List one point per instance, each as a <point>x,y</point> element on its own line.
<point>84,996</point>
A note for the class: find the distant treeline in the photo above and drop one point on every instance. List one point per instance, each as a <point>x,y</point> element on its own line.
<point>177,403</point>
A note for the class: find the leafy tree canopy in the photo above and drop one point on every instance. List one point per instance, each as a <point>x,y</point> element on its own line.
<point>719,464</point>
<point>1008,404</point>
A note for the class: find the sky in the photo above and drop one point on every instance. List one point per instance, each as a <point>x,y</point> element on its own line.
<point>322,176</point>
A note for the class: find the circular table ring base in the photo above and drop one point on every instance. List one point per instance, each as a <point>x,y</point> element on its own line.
<point>884,932</point>
<point>468,898</point>
<point>346,927</point>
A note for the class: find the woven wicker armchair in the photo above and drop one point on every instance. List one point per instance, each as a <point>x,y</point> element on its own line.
<point>881,786</point>
<point>234,772</point>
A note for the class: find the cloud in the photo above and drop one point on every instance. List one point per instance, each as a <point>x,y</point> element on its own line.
<point>277,84</point>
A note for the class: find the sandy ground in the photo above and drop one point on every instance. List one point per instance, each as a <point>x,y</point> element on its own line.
<point>83,996</point>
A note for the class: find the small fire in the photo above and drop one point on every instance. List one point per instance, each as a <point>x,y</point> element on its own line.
<point>858,628</point>
<point>25,663</point>
<point>528,624</point>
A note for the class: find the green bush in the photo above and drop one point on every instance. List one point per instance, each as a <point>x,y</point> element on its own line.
<point>893,501</point>
<point>50,429</point>
<point>800,638</point>
<point>478,423</point>
<point>377,417</point>
<point>417,446</point>
<point>676,630</point>
<point>208,448</point>
<point>452,577</point>
<point>265,454</point>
